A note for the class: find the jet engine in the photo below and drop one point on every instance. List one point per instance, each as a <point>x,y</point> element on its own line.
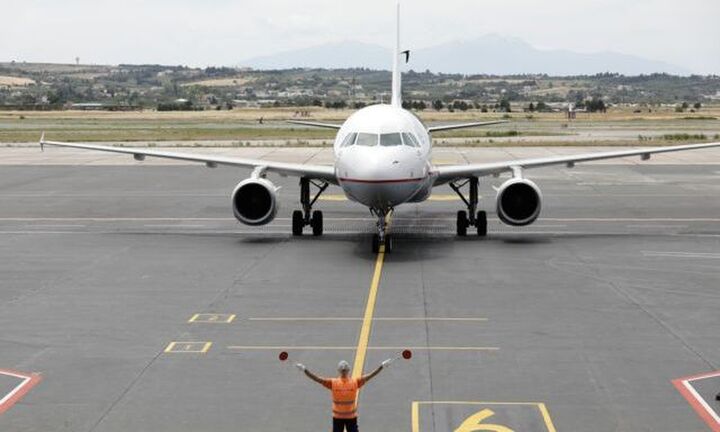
<point>254,201</point>
<point>518,202</point>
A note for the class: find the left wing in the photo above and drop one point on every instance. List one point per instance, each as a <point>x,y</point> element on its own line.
<point>320,172</point>
<point>448,173</point>
<point>432,129</point>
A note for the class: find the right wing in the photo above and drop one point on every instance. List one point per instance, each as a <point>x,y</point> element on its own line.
<point>315,124</point>
<point>320,172</point>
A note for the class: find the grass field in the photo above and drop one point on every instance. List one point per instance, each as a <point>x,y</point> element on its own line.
<point>242,127</point>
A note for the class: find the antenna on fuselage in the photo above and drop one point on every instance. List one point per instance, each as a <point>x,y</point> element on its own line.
<point>396,79</point>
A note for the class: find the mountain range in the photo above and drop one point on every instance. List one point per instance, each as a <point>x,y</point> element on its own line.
<point>489,54</point>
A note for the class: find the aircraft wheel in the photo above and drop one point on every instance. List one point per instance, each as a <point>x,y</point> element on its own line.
<point>298,222</point>
<point>376,243</point>
<point>462,223</point>
<point>389,243</point>
<point>481,224</point>
<point>317,223</point>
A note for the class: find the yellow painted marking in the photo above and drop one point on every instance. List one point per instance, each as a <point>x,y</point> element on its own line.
<point>360,319</point>
<point>369,348</point>
<point>188,347</point>
<point>546,417</point>
<point>444,198</point>
<point>474,423</point>
<point>212,318</point>
<point>330,197</point>
<point>415,414</point>
<point>364,338</point>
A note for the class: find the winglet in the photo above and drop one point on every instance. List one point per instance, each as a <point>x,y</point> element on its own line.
<point>42,141</point>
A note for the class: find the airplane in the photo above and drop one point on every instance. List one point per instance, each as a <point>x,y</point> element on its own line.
<point>383,160</point>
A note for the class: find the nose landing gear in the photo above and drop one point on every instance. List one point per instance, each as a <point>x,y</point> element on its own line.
<point>307,216</point>
<point>469,218</point>
<point>382,240</point>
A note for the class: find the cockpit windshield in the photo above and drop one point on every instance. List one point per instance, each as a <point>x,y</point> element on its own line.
<point>390,139</point>
<point>385,140</point>
<point>367,139</point>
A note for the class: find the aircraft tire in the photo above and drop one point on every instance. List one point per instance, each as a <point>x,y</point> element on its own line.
<point>317,223</point>
<point>462,223</point>
<point>481,223</point>
<point>297,223</point>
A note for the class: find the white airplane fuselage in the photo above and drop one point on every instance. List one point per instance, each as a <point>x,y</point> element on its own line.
<point>382,157</point>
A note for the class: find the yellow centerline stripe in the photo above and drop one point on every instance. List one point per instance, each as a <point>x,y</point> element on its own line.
<point>370,348</point>
<point>360,319</point>
<point>364,338</point>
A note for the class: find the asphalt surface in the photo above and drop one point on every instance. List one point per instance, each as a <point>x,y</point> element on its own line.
<point>576,323</point>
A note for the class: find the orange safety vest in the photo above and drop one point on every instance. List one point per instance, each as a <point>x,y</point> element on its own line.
<point>344,397</point>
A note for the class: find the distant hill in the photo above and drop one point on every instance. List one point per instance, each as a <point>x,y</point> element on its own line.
<point>490,54</point>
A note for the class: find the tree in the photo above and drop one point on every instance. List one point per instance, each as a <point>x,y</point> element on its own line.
<point>505,105</point>
<point>531,107</point>
<point>437,105</point>
<point>697,105</point>
<point>541,106</point>
<point>596,105</point>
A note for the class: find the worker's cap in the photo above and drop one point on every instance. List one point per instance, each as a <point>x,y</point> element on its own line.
<point>343,366</point>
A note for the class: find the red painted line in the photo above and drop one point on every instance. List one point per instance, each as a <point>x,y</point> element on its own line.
<point>17,393</point>
<point>409,180</point>
<point>681,386</point>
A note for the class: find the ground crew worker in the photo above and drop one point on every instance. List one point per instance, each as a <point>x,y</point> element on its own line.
<point>344,393</point>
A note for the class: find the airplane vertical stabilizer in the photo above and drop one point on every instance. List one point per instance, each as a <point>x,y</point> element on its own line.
<point>396,78</point>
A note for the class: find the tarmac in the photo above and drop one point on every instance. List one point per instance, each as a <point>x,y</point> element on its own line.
<point>143,305</point>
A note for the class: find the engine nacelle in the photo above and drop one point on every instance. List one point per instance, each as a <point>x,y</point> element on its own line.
<point>518,202</point>
<point>254,201</point>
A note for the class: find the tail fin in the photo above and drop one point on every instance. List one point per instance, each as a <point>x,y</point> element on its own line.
<point>396,78</point>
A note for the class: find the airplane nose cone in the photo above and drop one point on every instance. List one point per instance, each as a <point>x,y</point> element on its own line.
<point>380,177</point>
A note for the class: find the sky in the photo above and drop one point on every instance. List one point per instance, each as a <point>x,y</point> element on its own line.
<point>223,32</point>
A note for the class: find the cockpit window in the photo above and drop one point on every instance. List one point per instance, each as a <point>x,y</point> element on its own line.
<point>349,140</point>
<point>410,140</point>
<point>390,139</point>
<point>367,139</point>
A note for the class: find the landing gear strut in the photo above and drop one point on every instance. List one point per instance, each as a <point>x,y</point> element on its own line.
<point>471,217</point>
<point>382,238</point>
<point>307,216</point>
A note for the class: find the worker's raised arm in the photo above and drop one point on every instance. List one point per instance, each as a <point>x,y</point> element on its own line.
<point>322,381</point>
<point>373,374</point>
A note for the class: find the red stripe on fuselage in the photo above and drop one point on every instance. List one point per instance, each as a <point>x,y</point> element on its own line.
<point>409,180</point>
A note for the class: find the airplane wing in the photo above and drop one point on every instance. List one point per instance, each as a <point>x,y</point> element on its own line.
<point>320,172</point>
<point>432,129</point>
<point>447,173</point>
<point>315,124</point>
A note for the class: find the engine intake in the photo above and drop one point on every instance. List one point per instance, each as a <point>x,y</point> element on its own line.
<point>518,202</point>
<point>254,201</point>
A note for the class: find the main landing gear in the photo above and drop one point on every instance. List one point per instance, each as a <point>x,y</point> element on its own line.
<point>382,238</point>
<point>469,218</point>
<point>307,216</point>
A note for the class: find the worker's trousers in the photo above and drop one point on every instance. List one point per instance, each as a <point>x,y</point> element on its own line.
<point>342,425</point>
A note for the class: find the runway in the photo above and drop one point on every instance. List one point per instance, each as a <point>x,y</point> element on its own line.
<point>143,305</point>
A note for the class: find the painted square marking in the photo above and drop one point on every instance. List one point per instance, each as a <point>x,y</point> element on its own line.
<point>188,347</point>
<point>212,318</point>
<point>700,392</point>
<point>468,416</point>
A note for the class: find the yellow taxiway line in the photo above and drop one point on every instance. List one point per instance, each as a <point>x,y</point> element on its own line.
<point>364,338</point>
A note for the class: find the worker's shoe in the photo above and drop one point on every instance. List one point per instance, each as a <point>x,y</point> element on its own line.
<point>717,398</point>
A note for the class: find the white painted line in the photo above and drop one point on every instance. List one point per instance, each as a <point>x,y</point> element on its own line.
<point>172,226</point>
<point>701,400</point>
<point>701,255</point>
<point>656,226</point>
